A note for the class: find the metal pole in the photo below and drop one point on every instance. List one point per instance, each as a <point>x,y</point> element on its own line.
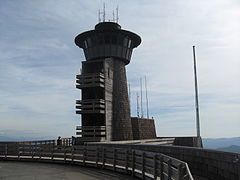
<point>104,12</point>
<point>141,98</point>
<point>129,92</point>
<point>196,93</point>
<point>137,105</point>
<point>146,96</point>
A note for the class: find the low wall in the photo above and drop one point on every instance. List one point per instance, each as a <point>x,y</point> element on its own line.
<point>210,164</point>
<point>143,128</point>
<point>188,141</point>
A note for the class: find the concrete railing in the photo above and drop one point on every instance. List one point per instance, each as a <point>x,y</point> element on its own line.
<point>210,164</point>
<point>143,164</point>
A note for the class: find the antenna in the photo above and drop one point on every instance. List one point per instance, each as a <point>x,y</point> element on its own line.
<point>99,18</point>
<point>141,98</point>
<point>117,14</point>
<point>137,105</point>
<point>146,96</point>
<point>129,92</point>
<point>113,16</point>
<point>196,93</point>
<point>104,12</point>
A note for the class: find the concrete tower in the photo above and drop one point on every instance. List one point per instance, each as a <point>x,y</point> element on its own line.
<point>105,106</point>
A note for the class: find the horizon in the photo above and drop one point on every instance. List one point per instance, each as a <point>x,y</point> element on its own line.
<point>39,62</point>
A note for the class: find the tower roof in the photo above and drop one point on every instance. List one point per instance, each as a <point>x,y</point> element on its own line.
<point>108,40</point>
<point>107,27</point>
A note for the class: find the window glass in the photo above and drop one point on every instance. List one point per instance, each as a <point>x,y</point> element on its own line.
<point>89,42</point>
<point>129,43</point>
<point>85,44</point>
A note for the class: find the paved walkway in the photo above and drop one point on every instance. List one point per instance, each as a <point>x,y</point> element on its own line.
<point>45,171</point>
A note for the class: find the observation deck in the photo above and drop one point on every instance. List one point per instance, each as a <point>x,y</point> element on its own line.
<point>90,80</point>
<point>90,106</point>
<point>91,133</point>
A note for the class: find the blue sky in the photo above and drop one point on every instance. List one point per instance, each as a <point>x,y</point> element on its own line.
<point>39,61</point>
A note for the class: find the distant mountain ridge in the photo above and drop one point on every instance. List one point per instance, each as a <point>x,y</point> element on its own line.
<point>223,144</point>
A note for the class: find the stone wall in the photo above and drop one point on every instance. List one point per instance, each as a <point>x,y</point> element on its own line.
<point>143,128</point>
<point>122,127</point>
<point>108,72</point>
<point>118,121</point>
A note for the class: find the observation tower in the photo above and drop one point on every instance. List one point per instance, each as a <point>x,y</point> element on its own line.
<point>104,106</point>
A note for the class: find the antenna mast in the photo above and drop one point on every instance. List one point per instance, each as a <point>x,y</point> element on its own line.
<point>137,105</point>
<point>141,98</point>
<point>196,93</point>
<point>146,96</point>
<point>117,14</point>
<point>99,18</point>
<point>113,16</point>
<point>104,12</point>
<point>129,92</point>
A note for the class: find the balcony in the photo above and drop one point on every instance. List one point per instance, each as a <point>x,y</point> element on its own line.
<point>90,80</point>
<point>90,106</point>
<point>91,133</point>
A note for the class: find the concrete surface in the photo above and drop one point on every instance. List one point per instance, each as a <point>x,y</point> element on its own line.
<point>45,171</point>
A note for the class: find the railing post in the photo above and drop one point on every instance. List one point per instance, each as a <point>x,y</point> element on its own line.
<point>40,151</point>
<point>97,156</point>
<point>180,172</point>
<point>52,152</point>
<point>155,166</point>
<point>133,162</point>
<point>169,169</point>
<point>114,159</point>
<point>143,165</point>
<point>65,151</point>
<point>32,150</point>
<point>6,150</point>
<point>84,155</point>
<point>23,148</point>
<point>161,167</point>
<point>126,159</point>
<point>18,151</point>
<point>103,158</point>
<point>73,154</point>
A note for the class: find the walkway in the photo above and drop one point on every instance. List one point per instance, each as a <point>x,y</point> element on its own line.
<point>44,171</point>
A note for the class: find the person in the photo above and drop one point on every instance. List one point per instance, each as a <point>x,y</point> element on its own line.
<point>73,141</point>
<point>59,141</point>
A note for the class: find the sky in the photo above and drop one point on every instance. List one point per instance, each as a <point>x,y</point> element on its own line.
<point>39,61</point>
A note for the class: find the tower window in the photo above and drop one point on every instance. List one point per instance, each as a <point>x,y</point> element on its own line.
<point>129,43</point>
<point>89,42</point>
<point>85,43</point>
